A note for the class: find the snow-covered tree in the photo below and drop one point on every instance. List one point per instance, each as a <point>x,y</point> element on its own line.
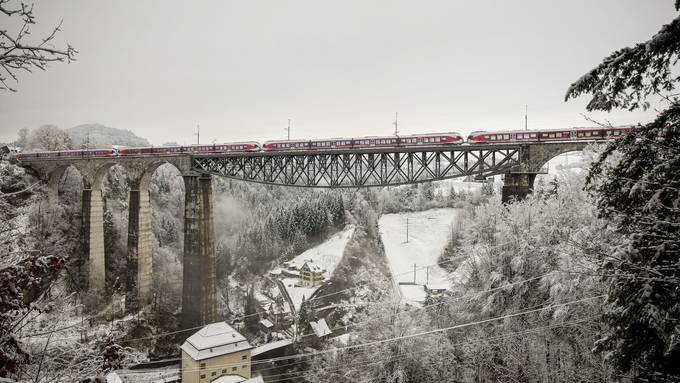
<point>639,193</point>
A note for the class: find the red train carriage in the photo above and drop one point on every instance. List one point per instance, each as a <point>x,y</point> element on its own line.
<point>365,142</point>
<point>249,146</point>
<point>67,154</point>
<point>573,134</point>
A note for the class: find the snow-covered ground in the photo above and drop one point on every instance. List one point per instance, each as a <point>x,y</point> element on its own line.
<point>428,233</point>
<point>327,255</point>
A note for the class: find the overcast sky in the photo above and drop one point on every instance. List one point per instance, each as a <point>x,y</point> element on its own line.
<point>336,68</point>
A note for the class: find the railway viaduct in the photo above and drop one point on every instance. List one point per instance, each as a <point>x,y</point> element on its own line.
<point>519,163</point>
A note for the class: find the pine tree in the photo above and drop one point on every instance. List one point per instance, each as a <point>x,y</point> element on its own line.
<point>640,195</point>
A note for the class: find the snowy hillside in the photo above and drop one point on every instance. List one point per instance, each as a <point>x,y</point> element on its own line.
<point>428,232</point>
<point>327,255</point>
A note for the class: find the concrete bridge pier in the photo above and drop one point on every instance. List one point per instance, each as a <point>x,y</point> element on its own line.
<point>517,186</point>
<point>138,275</point>
<point>199,304</point>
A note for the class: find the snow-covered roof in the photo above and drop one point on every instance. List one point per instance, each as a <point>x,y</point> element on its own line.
<point>320,328</point>
<point>111,377</point>
<point>437,286</point>
<point>266,323</point>
<point>237,379</point>
<point>270,346</point>
<point>229,379</point>
<point>213,340</point>
<point>313,267</point>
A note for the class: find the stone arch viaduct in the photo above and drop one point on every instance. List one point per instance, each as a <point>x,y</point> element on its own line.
<point>330,169</point>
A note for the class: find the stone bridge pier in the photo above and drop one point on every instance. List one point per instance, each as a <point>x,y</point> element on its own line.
<point>519,182</point>
<point>199,284</point>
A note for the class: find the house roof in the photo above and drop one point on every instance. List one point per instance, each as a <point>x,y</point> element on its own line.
<point>437,286</point>
<point>320,328</point>
<point>237,379</point>
<point>313,267</point>
<point>213,340</point>
<point>270,346</point>
<point>266,323</point>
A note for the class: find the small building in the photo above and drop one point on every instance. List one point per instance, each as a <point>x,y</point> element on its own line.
<point>320,328</point>
<point>215,350</point>
<point>266,325</point>
<point>279,313</point>
<point>311,274</point>
<point>436,289</point>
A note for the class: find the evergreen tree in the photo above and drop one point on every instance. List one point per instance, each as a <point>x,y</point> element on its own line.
<point>640,194</point>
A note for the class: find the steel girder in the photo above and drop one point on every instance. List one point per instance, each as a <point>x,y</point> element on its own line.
<point>362,168</point>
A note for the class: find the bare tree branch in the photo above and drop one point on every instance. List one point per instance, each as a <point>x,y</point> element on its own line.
<point>16,54</point>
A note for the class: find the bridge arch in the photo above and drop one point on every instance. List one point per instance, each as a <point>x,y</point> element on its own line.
<point>139,273</point>
<point>55,177</point>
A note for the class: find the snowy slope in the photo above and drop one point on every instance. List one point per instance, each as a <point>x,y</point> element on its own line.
<point>328,254</point>
<point>428,233</point>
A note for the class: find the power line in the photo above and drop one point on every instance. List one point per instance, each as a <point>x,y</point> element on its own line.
<point>410,336</point>
<point>257,314</point>
<point>408,353</point>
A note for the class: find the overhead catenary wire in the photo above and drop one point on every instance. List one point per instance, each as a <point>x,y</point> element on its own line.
<point>403,355</point>
<point>340,327</point>
<point>436,304</point>
<point>236,318</point>
<point>419,334</point>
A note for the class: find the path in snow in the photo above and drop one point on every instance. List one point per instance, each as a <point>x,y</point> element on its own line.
<point>428,233</point>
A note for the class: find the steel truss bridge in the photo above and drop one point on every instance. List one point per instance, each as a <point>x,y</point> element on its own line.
<point>363,167</point>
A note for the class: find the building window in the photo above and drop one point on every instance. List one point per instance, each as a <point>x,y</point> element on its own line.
<point>202,376</point>
<point>244,366</point>
<point>244,357</point>
<point>202,366</point>
<point>224,371</point>
<point>234,368</point>
<point>214,373</point>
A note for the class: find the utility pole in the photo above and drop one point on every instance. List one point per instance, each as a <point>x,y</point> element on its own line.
<point>526,113</point>
<point>414,273</point>
<point>288,129</point>
<point>427,275</point>
<point>396,123</point>
<point>406,229</point>
<point>198,134</point>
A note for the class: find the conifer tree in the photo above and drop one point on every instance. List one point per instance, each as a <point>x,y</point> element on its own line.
<point>640,195</point>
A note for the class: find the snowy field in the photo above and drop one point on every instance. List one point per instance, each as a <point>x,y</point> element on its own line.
<point>327,255</point>
<point>428,232</point>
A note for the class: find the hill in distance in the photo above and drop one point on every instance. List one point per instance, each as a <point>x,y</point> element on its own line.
<point>100,136</point>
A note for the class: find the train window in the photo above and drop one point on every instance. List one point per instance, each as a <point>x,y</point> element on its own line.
<point>487,137</point>
<point>588,134</point>
<point>506,136</point>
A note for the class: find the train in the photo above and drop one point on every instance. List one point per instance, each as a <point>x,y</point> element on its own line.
<point>414,140</point>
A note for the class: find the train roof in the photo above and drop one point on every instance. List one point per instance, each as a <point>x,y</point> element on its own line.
<point>552,130</point>
<point>363,137</point>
